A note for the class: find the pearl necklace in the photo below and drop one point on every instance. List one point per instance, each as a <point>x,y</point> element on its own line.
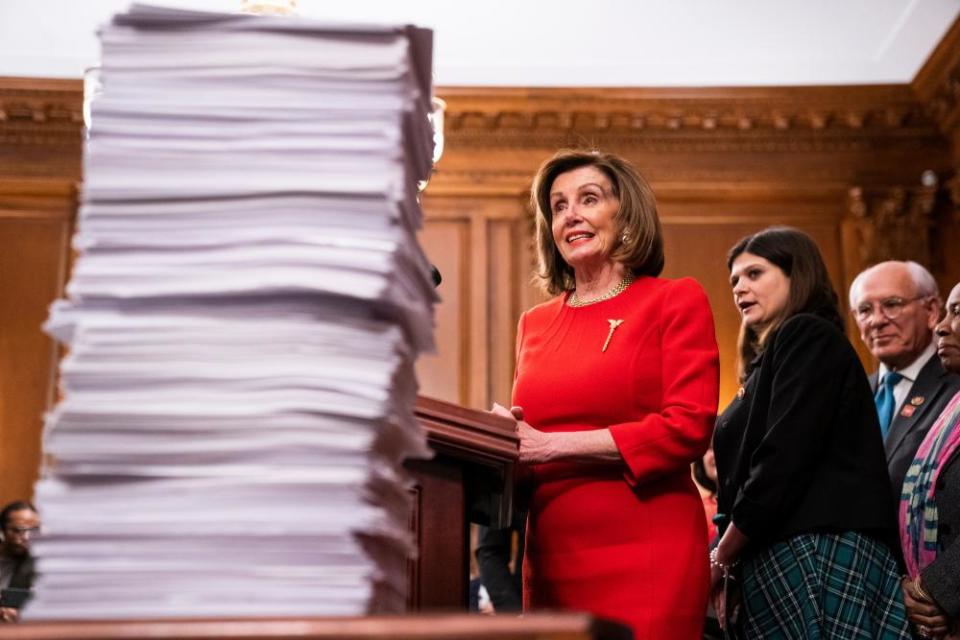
<point>575,301</point>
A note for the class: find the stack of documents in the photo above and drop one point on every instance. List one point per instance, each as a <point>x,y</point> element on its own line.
<point>241,324</point>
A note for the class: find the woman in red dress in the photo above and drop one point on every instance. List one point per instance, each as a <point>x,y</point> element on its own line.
<point>615,396</point>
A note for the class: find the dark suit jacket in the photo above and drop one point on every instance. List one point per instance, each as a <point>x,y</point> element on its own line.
<point>800,451</point>
<point>942,577</point>
<point>24,573</point>
<point>935,387</point>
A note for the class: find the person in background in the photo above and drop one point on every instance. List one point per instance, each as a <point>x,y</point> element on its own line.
<point>896,306</point>
<point>615,396</point>
<point>930,506</point>
<point>705,474</point>
<point>494,553</point>
<point>803,487</point>
<point>18,523</point>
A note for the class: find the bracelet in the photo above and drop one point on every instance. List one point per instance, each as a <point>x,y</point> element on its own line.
<point>714,562</point>
<point>920,590</point>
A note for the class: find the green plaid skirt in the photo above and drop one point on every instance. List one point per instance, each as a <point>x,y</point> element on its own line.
<point>825,587</point>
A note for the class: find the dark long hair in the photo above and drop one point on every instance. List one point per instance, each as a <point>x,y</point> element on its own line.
<point>797,255</point>
<point>700,475</point>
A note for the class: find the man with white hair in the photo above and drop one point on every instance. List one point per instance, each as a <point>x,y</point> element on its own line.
<point>896,306</point>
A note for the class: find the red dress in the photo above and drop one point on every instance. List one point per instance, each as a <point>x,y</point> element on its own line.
<point>627,542</point>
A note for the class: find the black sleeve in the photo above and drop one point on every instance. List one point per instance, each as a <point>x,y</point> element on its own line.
<point>494,548</point>
<point>808,365</point>
<point>941,579</point>
<point>24,574</point>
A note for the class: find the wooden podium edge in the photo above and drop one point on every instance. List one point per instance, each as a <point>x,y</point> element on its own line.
<point>540,626</point>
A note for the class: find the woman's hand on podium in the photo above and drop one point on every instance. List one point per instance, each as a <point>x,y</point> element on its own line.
<point>535,446</point>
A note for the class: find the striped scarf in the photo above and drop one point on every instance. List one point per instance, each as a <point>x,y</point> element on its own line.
<point>918,510</point>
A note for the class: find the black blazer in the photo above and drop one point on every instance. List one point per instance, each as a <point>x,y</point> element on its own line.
<point>932,389</point>
<point>942,577</point>
<point>800,451</point>
<point>24,573</point>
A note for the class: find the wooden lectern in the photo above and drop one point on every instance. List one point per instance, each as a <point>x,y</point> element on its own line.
<point>469,480</point>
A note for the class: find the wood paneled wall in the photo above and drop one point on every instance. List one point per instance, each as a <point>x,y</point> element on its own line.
<point>40,149</point>
<point>843,163</point>
<point>869,171</point>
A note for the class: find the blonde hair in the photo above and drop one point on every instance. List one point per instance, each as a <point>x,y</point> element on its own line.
<point>638,228</point>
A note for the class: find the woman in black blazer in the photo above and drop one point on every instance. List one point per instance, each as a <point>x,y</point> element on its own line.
<point>803,486</point>
<point>930,506</point>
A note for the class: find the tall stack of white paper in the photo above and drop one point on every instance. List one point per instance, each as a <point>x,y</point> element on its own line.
<point>241,323</point>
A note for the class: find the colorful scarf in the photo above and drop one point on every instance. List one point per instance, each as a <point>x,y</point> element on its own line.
<point>918,510</point>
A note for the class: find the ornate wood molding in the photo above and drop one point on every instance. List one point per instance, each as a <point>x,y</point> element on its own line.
<point>726,119</point>
<point>32,103</point>
<point>41,124</point>
<point>938,83</point>
<point>897,223</point>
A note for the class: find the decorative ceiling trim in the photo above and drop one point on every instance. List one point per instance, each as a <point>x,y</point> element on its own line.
<point>866,111</point>
<point>937,84</point>
<point>41,128</point>
<point>693,141</point>
<point>39,100</point>
<point>37,112</point>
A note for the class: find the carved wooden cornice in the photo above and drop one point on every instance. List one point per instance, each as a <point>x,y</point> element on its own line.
<point>896,223</point>
<point>731,119</point>
<point>938,83</point>
<point>952,187</point>
<point>41,127</point>
<point>35,111</point>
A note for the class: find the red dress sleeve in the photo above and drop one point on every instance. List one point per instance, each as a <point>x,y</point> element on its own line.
<point>671,439</point>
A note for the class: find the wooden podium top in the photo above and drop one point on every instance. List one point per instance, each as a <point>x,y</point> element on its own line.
<point>541,626</point>
<point>467,434</point>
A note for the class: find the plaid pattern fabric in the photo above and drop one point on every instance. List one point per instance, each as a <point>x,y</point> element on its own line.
<point>825,587</point>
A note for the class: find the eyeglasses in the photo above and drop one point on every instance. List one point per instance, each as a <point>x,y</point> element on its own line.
<point>890,308</point>
<point>20,531</point>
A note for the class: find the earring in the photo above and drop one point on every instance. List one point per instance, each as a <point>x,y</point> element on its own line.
<point>625,237</point>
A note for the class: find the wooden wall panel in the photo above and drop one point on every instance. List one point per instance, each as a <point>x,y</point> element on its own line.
<point>492,259</point>
<point>723,162</point>
<point>35,227</point>
<point>503,261</point>
<point>444,375</point>
<point>700,225</point>
<point>40,146</point>
<point>699,250</point>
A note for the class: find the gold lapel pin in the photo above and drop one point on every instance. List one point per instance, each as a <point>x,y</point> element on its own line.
<point>917,400</point>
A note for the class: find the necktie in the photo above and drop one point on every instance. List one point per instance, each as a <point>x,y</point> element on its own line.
<point>885,402</point>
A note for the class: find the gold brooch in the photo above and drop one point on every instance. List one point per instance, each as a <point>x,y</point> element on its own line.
<point>613,327</point>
